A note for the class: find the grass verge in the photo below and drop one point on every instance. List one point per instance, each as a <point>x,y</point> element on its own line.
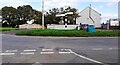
<point>68,33</point>
<point>8,29</point>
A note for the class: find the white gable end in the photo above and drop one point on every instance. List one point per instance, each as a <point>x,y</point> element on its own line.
<point>89,16</point>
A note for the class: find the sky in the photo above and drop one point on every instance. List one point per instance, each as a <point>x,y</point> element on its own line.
<point>107,8</point>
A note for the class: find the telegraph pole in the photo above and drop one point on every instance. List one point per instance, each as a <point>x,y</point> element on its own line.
<point>43,14</point>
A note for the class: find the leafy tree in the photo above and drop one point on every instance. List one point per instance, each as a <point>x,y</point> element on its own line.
<point>52,19</point>
<point>27,13</point>
<point>73,17</point>
<point>9,14</point>
<point>51,16</point>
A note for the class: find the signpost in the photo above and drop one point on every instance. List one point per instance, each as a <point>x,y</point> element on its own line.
<point>64,15</point>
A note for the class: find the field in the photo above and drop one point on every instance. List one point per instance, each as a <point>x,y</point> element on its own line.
<point>68,33</point>
<point>8,29</point>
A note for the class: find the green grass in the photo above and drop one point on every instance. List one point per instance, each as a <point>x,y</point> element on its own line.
<point>68,33</point>
<point>8,29</point>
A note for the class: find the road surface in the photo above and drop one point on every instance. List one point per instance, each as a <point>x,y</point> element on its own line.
<point>30,49</point>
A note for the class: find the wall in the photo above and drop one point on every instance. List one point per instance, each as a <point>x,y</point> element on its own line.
<point>69,27</point>
<point>30,26</point>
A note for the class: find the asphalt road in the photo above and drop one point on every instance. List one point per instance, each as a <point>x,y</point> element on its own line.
<point>27,49</point>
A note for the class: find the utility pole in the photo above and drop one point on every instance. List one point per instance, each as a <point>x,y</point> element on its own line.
<point>43,14</point>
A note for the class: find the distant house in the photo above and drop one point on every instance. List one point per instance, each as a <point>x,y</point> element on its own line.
<point>114,22</point>
<point>89,16</point>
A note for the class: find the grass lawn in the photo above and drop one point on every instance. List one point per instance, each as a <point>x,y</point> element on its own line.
<point>67,33</point>
<point>8,29</point>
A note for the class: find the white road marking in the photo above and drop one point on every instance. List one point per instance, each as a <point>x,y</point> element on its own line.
<point>37,62</point>
<point>64,52</point>
<point>85,57</point>
<point>29,50</point>
<point>27,53</point>
<point>11,51</point>
<point>113,48</point>
<point>47,49</point>
<point>64,49</point>
<point>47,52</point>
<point>7,53</point>
<point>97,49</point>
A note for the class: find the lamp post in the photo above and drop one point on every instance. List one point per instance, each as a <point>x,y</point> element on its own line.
<point>42,14</point>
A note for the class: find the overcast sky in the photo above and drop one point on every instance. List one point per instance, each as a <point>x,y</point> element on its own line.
<point>107,8</point>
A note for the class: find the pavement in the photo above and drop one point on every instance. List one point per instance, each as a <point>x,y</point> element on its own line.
<point>42,50</point>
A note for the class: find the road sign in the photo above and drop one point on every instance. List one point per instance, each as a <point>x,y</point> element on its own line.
<point>60,15</point>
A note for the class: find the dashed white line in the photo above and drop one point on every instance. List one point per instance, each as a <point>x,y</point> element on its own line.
<point>7,54</point>
<point>47,49</point>
<point>29,50</point>
<point>27,53</point>
<point>11,51</point>
<point>95,61</point>
<point>97,49</point>
<point>113,48</point>
<point>47,52</point>
<point>64,52</point>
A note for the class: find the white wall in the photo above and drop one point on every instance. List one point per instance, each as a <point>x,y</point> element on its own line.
<point>30,26</point>
<point>69,27</point>
<point>114,23</point>
<point>84,19</point>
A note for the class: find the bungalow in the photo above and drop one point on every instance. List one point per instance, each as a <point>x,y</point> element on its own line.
<point>89,16</point>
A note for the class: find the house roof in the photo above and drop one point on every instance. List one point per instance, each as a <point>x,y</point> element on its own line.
<point>92,9</point>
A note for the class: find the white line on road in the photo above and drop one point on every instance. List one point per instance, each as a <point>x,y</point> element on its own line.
<point>27,53</point>
<point>47,49</point>
<point>11,51</point>
<point>29,50</point>
<point>97,49</point>
<point>113,48</point>
<point>7,53</point>
<point>64,52</point>
<point>47,52</point>
<point>85,57</point>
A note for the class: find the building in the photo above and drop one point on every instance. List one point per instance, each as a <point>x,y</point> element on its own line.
<point>89,16</point>
<point>114,22</point>
<point>30,25</point>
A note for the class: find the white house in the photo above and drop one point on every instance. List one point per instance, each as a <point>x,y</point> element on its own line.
<point>89,16</point>
<point>114,22</point>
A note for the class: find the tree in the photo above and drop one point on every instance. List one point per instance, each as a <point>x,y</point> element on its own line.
<point>27,13</point>
<point>52,19</point>
<point>19,16</point>
<point>73,17</point>
<point>9,14</point>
